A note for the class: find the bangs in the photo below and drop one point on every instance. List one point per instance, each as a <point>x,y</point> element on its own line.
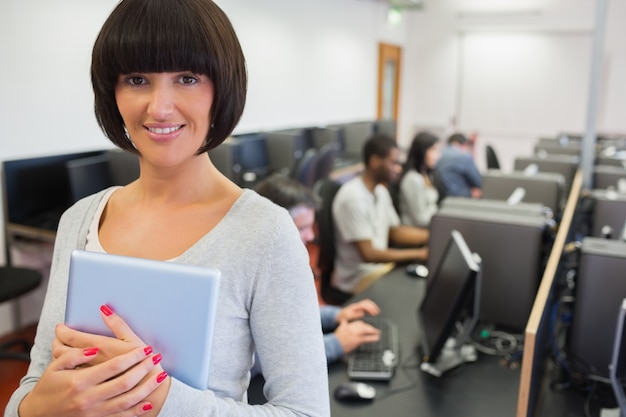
<point>165,37</point>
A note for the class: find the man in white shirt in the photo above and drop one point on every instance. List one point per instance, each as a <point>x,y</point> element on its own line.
<point>366,222</point>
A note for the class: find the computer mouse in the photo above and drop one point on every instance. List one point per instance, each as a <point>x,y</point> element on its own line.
<point>417,270</point>
<point>354,392</point>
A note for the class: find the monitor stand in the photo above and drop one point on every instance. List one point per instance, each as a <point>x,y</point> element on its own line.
<point>610,412</point>
<point>451,356</point>
<point>456,351</point>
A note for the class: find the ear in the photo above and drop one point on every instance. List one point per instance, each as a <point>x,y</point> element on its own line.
<point>375,161</point>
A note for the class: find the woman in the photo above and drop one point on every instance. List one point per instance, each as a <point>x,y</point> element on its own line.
<point>169,81</point>
<point>417,195</point>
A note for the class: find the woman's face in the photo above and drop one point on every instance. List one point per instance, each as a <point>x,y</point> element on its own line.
<point>432,156</point>
<point>166,114</point>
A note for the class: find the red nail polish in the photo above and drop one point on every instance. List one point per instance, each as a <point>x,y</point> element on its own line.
<point>147,350</point>
<point>147,407</point>
<point>106,310</point>
<point>161,377</point>
<point>90,351</point>
<point>157,358</point>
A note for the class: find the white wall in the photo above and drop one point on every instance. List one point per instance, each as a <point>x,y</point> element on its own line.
<point>316,62</point>
<point>513,71</point>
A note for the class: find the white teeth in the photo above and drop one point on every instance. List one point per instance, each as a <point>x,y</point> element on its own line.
<point>163,130</point>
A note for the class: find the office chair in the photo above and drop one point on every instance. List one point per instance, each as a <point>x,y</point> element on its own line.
<point>15,282</point>
<point>325,161</point>
<point>305,172</point>
<point>492,158</point>
<point>327,189</point>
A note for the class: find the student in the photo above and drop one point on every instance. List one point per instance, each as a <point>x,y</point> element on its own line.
<point>343,331</point>
<point>169,80</point>
<point>367,224</point>
<point>418,196</point>
<point>456,173</point>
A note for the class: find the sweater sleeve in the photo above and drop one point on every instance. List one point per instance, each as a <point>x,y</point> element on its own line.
<point>70,232</point>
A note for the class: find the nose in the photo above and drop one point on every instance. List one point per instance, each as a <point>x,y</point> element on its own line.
<point>161,101</point>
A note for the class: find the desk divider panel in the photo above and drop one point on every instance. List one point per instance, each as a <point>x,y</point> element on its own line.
<point>535,332</point>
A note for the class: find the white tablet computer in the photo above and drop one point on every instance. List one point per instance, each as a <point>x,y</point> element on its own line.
<point>171,306</point>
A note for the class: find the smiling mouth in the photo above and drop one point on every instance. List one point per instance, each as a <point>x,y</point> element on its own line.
<point>163,130</point>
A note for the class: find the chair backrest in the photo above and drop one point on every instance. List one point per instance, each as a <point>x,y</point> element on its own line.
<point>492,158</point>
<point>305,172</point>
<point>325,161</point>
<point>326,189</point>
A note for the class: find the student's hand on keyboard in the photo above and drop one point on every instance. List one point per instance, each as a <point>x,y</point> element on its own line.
<point>357,310</point>
<point>353,334</point>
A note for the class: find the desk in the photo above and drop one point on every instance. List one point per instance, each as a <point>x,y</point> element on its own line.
<point>483,388</point>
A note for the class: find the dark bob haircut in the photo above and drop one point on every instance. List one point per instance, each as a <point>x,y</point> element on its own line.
<point>169,36</point>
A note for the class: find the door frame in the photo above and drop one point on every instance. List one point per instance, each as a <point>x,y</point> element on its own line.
<point>388,52</point>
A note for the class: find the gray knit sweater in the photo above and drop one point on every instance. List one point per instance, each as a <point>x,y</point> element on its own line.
<point>267,303</point>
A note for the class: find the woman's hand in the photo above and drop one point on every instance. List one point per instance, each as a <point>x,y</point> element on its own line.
<point>93,375</point>
<point>109,347</point>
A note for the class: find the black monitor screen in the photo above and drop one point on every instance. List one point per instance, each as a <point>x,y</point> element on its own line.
<point>37,190</point>
<point>355,136</point>
<point>450,291</point>
<point>253,156</point>
<point>88,175</point>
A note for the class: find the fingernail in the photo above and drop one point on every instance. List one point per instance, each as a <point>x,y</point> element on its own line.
<point>90,351</point>
<point>161,377</point>
<point>147,350</point>
<point>106,310</point>
<point>157,358</point>
<point>147,407</point>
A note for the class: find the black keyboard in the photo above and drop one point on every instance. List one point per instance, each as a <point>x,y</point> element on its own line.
<point>377,360</point>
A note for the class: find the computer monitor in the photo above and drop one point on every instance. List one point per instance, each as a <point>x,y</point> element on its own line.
<point>322,135</point>
<point>88,175</point>
<point>453,287</point>
<point>513,248</point>
<point>285,148</point>
<point>609,176</point>
<point>546,188</point>
<point>611,161</point>
<point>608,214</point>
<point>354,136</point>
<point>565,165</point>
<point>547,149</point>
<point>37,190</point>
<point>386,127</point>
<point>123,166</point>
<point>600,289</point>
<point>617,369</point>
<point>484,204</point>
<point>253,160</point>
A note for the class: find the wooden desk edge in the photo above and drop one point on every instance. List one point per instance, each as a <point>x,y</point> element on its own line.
<point>532,327</point>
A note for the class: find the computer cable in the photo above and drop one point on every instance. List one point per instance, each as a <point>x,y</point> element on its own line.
<point>409,364</point>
